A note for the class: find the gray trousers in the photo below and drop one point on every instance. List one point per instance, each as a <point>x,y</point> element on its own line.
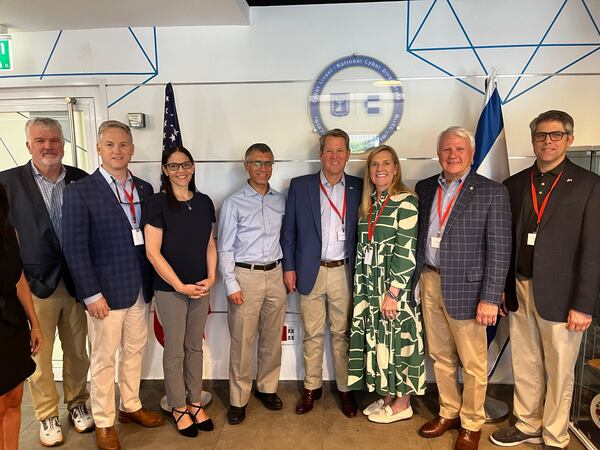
<point>183,321</point>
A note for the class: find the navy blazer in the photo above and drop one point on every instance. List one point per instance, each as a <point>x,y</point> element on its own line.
<point>43,262</point>
<point>566,260</point>
<point>98,243</point>
<point>476,244</point>
<point>301,239</point>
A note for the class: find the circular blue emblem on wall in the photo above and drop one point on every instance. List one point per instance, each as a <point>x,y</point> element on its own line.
<point>370,112</point>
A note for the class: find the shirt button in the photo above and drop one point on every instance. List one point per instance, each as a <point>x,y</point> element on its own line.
<point>543,184</point>
<point>541,192</point>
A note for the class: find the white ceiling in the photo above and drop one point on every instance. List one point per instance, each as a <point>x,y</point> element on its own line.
<point>43,15</point>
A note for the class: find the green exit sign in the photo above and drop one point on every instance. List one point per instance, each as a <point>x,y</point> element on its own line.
<point>5,54</point>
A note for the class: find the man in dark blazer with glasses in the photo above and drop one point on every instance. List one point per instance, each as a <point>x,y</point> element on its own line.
<point>553,283</point>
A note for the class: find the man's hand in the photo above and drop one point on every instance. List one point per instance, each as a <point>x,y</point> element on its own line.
<point>237,298</point>
<point>99,309</point>
<point>486,313</point>
<point>503,311</point>
<point>578,321</point>
<point>289,278</point>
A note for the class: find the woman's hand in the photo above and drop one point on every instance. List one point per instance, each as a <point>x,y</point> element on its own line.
<point>205,286</point>
<point>388,307</point>
<point>36,340</point>
<point>190,290</point>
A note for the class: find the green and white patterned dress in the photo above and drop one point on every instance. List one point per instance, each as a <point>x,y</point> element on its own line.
<point>387,356</point>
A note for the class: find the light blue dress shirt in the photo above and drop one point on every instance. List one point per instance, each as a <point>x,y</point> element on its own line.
<point>52,193</point>
<point>432,255</point>
<point>332,249</point>
<point>248,232</point>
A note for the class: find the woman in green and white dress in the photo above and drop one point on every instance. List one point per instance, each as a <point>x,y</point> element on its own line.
<point>386,335</point>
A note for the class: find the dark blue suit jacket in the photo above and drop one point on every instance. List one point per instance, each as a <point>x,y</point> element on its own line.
<point>476,245</point>
<point>98,243</point>
<point>301,231</point>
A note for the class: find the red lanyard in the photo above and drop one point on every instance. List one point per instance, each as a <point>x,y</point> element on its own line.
<point>371,228</point>
<point>442,217</point>
<point>540,212</point>
<point>128,196</point>
<point>337,211</point>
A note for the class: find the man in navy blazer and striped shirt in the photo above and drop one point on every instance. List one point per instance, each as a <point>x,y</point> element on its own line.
<point>104,247</point>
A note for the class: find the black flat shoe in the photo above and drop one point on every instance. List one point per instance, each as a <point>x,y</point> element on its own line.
<point>270,401</point>
<point>190,431</point>
<point>236,414</point>
<point>205,425</point>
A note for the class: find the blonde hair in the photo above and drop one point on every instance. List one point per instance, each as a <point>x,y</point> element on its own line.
<point>397,186</point>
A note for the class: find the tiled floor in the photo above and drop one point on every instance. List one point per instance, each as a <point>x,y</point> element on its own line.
<point>323,428</point>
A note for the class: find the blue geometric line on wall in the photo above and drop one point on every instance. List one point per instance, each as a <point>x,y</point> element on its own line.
<point>512,95</point>
<point>152,74</point>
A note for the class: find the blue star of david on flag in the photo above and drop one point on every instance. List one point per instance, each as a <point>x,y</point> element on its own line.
<point>171,130</point>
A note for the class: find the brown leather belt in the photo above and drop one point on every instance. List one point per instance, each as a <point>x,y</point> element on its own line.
<point>265,267</point>
<point>330,264</point>
<point>432,268</point>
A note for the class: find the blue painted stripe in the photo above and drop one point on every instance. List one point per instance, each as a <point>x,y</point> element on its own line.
<point>141,48</point>
<point>429,49</point>
<point>488,128</point>
<point>590,16</point>
<point>421,25</point>
<point>537,48</point>
<point>132,90</point>
<point>8,151</point>
<point>51,53</point>
<point>467,36</point>
<point>155,50</point>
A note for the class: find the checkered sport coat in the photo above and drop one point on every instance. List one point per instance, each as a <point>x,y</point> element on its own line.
<point>98,243</point>
<point>476,245</point>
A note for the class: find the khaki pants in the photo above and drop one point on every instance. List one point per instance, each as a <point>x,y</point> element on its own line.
<point>449,343</point>
<point>61,311</point>
<point>263,310</point>
<point>330,297</point>
<point>126,329</point>
<point>543,369</point>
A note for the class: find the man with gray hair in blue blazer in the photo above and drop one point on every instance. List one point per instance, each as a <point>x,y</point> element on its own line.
<point>463,255</point>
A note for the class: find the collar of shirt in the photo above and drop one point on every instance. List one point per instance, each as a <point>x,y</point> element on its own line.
<point>442,180</point>
<point>330,186</point>
<point>111,180</point>
<point>381,197</point>
<point>249,191</point>
<point>61,176</point>
<point>557,170</point>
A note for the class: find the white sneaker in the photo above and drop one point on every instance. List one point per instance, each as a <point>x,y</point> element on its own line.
<point>386,415</point>
<point>374,407</point>
<point>50,432</point>
<point>81,419</point>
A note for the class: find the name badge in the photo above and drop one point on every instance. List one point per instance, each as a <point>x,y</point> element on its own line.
<point>436,241</point>
<point>138,237</point>
<point>341,235</point>
<point>368,256</point>
<point>531,238</point>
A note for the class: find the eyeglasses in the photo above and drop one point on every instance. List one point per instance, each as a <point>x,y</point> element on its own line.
<point>174,167</point>
<point>258,163</point>
<point>540,136</point>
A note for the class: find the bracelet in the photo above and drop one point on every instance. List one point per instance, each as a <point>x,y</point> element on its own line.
<point>388,292</point>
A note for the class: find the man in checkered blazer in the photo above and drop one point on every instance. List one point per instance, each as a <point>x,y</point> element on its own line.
<point>104,247</point>
<point>463,255</point>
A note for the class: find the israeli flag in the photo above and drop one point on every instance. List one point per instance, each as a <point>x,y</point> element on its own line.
<point>491,157</point>
<point>491,160</point>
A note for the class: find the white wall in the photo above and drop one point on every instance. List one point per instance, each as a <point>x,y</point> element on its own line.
<point>240,84</point>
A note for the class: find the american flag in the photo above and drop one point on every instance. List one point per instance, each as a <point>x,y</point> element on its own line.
<point>171,130</point>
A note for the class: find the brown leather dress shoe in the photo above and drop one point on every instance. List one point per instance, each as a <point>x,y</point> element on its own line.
<point>438,426</point>
<point>107,439</point>
<point>349,406</point>
<point>142,417</point>
<point>305,404</point>
<point>467,440</point>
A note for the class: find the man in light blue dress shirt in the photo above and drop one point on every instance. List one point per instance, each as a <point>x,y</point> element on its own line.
<point>249,261</point>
